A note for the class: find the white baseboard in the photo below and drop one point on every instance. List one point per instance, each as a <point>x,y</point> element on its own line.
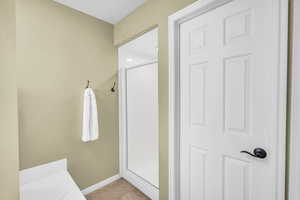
<point>100,184</point>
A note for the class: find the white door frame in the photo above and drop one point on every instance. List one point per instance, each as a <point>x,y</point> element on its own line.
<point>196,9</point>
<point>294,175</point>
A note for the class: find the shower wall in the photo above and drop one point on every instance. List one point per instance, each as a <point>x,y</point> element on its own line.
<point>58,50</point>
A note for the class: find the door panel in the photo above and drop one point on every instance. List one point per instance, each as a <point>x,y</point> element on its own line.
<point>236,179</point>
<point>228,82</point>
<point>197,94</point>
<point>236,105</point>
<point>197,173</point>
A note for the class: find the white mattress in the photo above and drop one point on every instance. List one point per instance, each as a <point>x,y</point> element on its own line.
<point>57,185</point>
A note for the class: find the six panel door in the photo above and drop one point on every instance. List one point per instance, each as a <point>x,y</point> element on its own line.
<point>228,81</point>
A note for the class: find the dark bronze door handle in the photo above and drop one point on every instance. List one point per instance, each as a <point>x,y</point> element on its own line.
<point>258,153</point>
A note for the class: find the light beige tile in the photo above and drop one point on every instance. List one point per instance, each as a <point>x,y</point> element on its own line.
<point>118,190</point>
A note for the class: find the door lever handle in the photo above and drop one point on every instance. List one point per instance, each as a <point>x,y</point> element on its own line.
<point>257,153</point>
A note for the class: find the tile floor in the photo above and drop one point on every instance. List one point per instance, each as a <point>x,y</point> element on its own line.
<point>118,190</point>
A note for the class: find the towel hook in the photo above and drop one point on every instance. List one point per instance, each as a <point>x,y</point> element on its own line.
<point>113,89</point>
<point>88,84</point>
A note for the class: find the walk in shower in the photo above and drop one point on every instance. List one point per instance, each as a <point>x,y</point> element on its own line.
<point>138,89</point>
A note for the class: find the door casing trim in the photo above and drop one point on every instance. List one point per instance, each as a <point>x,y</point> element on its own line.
<point>294,122</point>
<point>196,9</point>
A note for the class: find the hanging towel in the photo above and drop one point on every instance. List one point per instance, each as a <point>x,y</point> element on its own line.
<point>90,130</point>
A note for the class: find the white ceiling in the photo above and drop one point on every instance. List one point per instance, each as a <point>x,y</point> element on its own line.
<point>111,11</point>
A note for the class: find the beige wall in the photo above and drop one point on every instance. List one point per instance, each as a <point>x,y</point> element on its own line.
<point>155,13</point>
<point>58,49</point>
<point>9,163</point>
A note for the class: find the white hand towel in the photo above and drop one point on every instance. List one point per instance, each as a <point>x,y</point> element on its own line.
<point>90,130</point>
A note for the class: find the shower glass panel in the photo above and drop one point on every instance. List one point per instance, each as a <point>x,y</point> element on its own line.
<point>142,122</point>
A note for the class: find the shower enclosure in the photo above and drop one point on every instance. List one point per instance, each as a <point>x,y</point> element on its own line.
<point>138,91</point>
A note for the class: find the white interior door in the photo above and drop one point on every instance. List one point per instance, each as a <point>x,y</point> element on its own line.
<point>229,100</point>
